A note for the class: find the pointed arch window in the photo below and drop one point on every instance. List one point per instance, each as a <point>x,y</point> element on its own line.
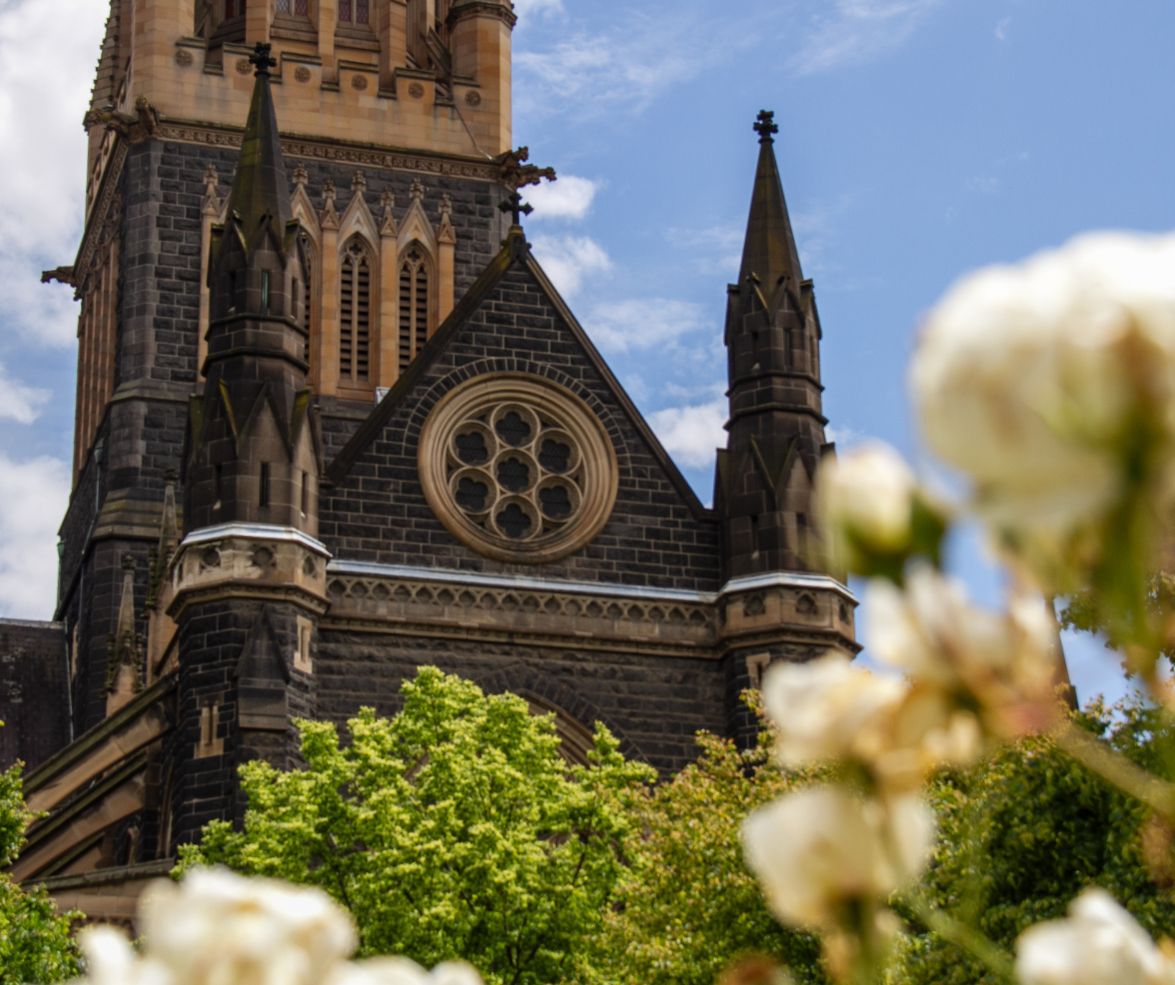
<point>414,304</point>
<point>355,12</point>
<point>355,312</point>
<point>306,301</point>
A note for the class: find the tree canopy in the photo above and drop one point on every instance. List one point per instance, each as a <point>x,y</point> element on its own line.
<point>1023,833</point>
<point>688,907</point>
<point>454,829</point>
<point>35,943</point>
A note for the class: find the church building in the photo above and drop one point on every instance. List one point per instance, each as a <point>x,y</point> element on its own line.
<point>335,423</point>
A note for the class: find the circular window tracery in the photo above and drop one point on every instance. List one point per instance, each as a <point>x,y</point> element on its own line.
<point>518,468</point>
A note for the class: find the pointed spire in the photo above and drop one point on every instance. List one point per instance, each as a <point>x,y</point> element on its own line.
<point>769,252</point>
<point>260,187</point>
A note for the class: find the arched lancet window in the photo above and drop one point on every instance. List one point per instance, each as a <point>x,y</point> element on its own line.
<point>234,8</point>
<point>414,289</point>
<point>306,301</point>
<point>355,312</point>
<point>355,12</point>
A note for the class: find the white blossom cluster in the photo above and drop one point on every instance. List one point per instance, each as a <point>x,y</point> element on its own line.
<point>1051,386</point>
<point>217,928</point>
<point>1099,943</point>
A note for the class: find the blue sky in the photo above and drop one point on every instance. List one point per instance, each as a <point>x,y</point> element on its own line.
<point>919,139</point>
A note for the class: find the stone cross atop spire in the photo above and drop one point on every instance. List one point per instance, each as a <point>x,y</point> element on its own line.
<point>765,126</point>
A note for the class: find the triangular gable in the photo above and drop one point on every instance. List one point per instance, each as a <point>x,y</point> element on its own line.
<point>515,252</point>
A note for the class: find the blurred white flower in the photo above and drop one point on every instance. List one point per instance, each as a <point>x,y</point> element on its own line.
<point>931,631</point>
<point>110,960</point>
<point>827,708</point>
<point>1038,381</point>
<point>218,928</point>
<point>865,500</point>
<point>1100,942</point>
<point>821,850</point>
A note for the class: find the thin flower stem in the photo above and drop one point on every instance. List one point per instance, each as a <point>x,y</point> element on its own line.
<point>1116,769</point>
<point>966,937</point>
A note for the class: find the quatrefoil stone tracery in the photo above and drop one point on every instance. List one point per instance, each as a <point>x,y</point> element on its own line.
<point>518,468</point>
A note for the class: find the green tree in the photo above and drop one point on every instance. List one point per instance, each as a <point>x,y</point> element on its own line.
<point>35,943</point>
<point>688,908</point>
<point>1023,833</point>
<point>453,830</point>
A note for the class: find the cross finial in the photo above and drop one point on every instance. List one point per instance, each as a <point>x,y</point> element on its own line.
<point>516,207</point>
<point>261,58</point>
<point>765,126</point>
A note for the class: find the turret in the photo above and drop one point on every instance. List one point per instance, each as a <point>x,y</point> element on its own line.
<point>253,452</point>
<point>776,425</point>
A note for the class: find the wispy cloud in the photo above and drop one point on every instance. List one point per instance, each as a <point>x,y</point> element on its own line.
<point>570,260</point>
<point>844,437</point>
<point>525,9</point>
<point>19,402</point>
<point>849,32</point>
<point>33,496</point>
<point>692,432</point>
<point>625,67</point>
<point>1001,29</point>
<point>42,179</point>
<point>643,323</point>
<point>570,197</point>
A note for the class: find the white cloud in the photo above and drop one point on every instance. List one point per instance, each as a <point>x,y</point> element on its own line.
<point>844,437</point>
<point>852,31</point>
<point>1001,29</point>
<point>33,497</point>
<point>625,68</point>
<point>47,56</point>
<point>985,184</point>
<point>18,401</point>
<point>693,432</point>
<point>569,260</point>
<point>538,8</point>
<point>644,323</point>
<point>570,197</point>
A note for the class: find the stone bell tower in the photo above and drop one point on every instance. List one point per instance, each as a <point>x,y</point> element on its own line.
<point>394,151</point>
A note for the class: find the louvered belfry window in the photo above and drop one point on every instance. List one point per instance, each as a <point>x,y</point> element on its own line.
<point>355,313</point>
<point>413,305</point>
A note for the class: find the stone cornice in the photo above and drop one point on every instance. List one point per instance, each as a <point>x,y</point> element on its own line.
<point>255,531</point>
<point>296,145</point>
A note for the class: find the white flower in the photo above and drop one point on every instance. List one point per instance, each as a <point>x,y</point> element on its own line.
<point>820,850</point>
<point>1034,380</point>
<point>1099,943</point>
<point>217,928</point>
<point>865,501</point>
<point>931,631</point>
<point>110,960</point>
<point>827,708</point>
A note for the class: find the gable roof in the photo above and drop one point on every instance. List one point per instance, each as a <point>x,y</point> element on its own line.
<point>515,251</point>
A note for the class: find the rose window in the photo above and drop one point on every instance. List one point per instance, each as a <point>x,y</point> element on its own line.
<point>518,468</point>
